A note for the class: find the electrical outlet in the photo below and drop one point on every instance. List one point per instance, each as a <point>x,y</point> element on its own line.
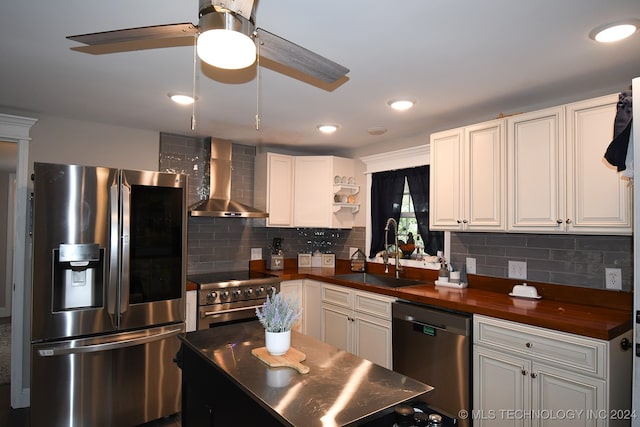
<point>517,269</point>
<point>471,266</point>
<point>613,278</point>
<point>256,253</point>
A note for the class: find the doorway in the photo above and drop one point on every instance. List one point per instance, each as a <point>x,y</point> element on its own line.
<point>8,163</point>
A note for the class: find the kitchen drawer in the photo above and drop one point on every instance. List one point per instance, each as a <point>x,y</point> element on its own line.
<point>573,352</point>
<point>337,295</point>
<point>373,304</point>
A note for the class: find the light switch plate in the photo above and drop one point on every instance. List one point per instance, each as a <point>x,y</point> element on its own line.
<point>256,253</point>
<point>518,270</point>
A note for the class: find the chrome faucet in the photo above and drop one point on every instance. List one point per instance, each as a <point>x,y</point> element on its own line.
<point>386,247</point>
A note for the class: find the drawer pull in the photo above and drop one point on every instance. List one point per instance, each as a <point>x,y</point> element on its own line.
<point>534,375</point>
<point>625,344</point>
<point>528,345</point>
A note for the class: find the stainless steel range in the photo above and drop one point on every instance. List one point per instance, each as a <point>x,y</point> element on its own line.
<point>231,296</point>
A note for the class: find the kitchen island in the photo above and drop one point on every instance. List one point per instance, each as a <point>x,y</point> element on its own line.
<point>224,384</point>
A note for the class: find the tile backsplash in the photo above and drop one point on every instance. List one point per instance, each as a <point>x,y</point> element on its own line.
<point>224,244</point>
<point>566,259</point>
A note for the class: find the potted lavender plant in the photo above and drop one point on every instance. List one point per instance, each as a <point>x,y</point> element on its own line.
<point>277,315</point>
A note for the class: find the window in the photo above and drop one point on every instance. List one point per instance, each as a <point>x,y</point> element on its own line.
<point>403,195</point>
<point>408,224</point>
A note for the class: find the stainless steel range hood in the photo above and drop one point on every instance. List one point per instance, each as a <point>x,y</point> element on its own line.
<point>219,203</point>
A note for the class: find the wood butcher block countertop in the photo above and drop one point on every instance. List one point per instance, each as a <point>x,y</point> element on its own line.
<point>595,313</point>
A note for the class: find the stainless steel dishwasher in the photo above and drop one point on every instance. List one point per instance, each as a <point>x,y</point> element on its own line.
<point>434,346</point>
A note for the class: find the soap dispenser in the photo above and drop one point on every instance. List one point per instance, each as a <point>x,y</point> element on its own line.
<point>443,274</point>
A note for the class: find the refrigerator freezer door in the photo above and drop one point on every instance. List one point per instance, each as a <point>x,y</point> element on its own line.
<point>71,252</point>
<point>122,379</point>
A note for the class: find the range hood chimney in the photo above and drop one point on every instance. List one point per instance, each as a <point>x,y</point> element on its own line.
<point>219,203</point>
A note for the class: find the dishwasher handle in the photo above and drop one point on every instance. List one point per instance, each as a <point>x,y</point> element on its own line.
<point>410,319</point>
<point>457,323</point>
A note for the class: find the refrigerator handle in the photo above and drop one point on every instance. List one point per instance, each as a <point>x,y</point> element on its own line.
<point>126,247</point>
<point>114,213</point>
<point>109,345</point>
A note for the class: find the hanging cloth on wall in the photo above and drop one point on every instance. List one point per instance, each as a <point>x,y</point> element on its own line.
<point>616,153</point>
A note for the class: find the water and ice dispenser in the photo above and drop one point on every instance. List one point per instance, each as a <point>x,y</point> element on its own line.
<point>78,276</point>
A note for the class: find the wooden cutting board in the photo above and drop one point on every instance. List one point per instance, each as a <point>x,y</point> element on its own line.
<point>291,359</point>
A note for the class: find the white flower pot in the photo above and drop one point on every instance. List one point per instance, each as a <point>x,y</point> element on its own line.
<point>277,343</point>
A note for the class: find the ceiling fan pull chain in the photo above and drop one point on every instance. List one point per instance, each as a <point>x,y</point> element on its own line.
<point>257,83</point>
<point>193,85</point>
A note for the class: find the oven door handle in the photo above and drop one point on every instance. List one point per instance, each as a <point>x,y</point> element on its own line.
<point>230,310</point>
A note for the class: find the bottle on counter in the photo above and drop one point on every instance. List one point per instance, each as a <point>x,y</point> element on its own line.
<point>443,274</point>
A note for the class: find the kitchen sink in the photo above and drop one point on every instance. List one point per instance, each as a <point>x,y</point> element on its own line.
<point>378,280</point>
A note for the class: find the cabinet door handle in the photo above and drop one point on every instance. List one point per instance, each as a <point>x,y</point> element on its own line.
<point>559,221</point>
<point>534,375</point>
<point>458,221</point>
<point>465,221</point>
<point>528,345</point>
<point>568,220</point>
<point>524,371</point>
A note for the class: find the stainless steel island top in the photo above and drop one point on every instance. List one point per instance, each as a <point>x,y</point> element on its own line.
<point>340,388</point>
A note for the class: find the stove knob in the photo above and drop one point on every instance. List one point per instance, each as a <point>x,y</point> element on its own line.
<point>211,296</point>
<point>260,291</point>
<point>248,292</point>
<point>236,293</point>
<point>224,295</point>
<point>271,290</point>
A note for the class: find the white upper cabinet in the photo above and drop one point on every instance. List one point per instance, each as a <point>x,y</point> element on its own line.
<point>315,192</point>
<point>468,167</point>
<point>557,177</point>
<point>274,188</point>
<point>306,191</point>
<point>542,171</point>
<point>598,198</point>
<point>535,146</point>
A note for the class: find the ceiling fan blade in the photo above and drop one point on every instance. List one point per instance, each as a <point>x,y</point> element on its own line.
<point>283,51</point>
<point>136,34</point>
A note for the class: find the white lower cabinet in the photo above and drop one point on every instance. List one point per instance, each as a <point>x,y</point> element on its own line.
<point>530,376</point>
<point>312,295</point>
<point>308,293</point>
<point>292,290</point>
<point>191,310</point>
<point>358,322</point>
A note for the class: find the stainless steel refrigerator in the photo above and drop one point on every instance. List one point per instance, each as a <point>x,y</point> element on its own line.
<point>109,263</point>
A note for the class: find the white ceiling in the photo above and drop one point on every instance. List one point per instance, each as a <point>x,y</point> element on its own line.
<point>463,61</point>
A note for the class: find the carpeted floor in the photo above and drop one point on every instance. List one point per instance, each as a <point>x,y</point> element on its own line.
<point>5,353</point>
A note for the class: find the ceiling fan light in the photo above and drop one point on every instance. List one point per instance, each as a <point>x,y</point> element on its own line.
<point>401,104</point>
<point>614,32</point>
<point>226,49</point>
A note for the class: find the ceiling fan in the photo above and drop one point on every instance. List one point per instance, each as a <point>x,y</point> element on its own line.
<point>221,24</point>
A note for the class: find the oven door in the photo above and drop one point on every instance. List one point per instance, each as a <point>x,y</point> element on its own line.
<point>216,314</point>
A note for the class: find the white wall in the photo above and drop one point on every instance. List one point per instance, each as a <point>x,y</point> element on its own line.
<point>58,140</point>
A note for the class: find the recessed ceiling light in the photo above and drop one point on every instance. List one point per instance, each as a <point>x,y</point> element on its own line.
<point>378,130</point>
<point>614,32</point>
<point>181,99</point>
<point>401,104</point>
<point>327,128</point>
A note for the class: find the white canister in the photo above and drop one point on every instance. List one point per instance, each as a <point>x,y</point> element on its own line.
<point>454,276</point>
